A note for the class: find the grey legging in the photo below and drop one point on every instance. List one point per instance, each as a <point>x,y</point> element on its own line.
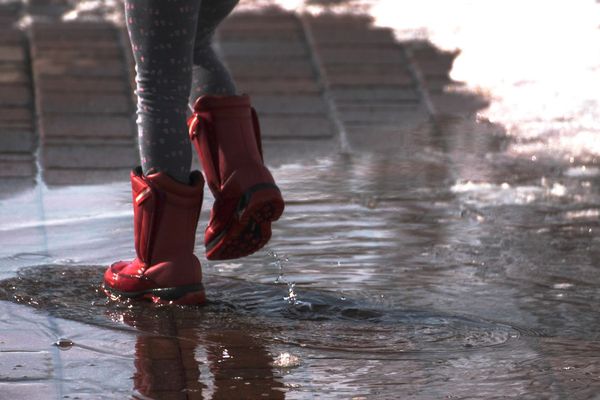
<point>175,63</point>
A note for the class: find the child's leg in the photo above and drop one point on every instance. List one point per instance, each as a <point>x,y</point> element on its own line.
<point>225,131</point>
<point>162,34</point>
<point>210,76</point>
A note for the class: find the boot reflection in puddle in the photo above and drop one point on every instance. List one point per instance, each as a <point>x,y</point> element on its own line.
<point>241,367</point>
<point>175,352</point>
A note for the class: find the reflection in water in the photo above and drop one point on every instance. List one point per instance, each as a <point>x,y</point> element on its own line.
<point>167,363</point>
<point>225,349</point>
<point>180,352</point>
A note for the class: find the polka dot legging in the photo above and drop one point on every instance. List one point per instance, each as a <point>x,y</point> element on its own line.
<point>175,64</point>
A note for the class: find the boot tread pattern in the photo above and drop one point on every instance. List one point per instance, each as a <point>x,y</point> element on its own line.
<point>251,230</point>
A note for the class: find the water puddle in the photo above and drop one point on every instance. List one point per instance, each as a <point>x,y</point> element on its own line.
<point>75,293</point>
<point>439,263</point>
<point>404,268</point>
<point>248,331</point>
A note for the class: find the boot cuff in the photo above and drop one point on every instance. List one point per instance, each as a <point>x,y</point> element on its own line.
<point>165,182</point>
<point>208,102</point>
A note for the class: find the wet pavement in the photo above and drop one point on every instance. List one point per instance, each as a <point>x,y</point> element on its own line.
<point>438,242</point>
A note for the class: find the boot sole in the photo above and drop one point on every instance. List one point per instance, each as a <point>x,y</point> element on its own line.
<point>251,226</point>
<point>181,295</point>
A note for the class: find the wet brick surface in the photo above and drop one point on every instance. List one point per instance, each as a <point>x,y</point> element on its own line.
<point>89,128</point>
<point>25,365</point>
<point>285,63</point>
<point>310,79</point>
<point>369,78</point>
<point>17,139</point>
<point>28,390</point>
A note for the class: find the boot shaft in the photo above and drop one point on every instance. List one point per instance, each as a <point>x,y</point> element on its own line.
<point>226,133</point>
<point>165,215</point>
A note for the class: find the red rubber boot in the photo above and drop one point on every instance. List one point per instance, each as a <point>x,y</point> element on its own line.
<point>165,214</point>
<point>226,134</point>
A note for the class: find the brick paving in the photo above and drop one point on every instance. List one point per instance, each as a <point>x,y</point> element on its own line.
<point>83,101</point>
<point>17,138</point>
<point>368,78</point>
<point>283,59</point>
<point>318,82</point>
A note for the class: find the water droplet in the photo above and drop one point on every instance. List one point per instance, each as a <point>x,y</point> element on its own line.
<point>64,344</point>
<point>558,190</point>
<point>292,297</point>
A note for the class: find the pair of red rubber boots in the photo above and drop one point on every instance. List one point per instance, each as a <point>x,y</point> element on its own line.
<point>226,135</point>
